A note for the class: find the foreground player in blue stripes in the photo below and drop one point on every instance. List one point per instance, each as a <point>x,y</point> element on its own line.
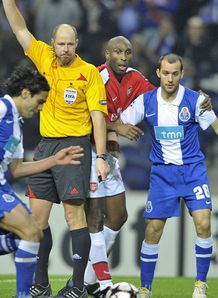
<point>173,115</point>
<point>26,93</point>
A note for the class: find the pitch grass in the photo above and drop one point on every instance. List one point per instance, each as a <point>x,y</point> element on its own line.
<point>162,287</point>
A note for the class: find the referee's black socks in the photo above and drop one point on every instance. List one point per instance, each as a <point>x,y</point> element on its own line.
<point>41,274</point>
<point>81,244</point>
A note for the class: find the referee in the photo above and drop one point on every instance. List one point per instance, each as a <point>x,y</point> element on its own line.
<point>75,104</point>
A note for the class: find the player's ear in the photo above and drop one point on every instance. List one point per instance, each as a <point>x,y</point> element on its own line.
<point>107,54</point>
<point>158,72</point>
<point>52,42</point>
<point>77,42</point>
<point>182,74</point>
<point>25,94</point>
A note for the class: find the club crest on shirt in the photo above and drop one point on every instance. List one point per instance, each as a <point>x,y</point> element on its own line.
<point>114,117</point>
<point>8,198</point>
<point>129,91</point>
<point>184,114</point>
<point>93,186</point>
<point>148,207</point>
<point>70,95</point>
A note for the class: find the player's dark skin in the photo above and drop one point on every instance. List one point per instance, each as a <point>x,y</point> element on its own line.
<point>112,211</point>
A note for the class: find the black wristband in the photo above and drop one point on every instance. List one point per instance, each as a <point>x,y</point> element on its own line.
<point>103,156</point>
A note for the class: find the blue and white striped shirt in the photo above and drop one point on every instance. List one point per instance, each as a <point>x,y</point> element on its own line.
<point>11,145</point>
<point>173,125</point>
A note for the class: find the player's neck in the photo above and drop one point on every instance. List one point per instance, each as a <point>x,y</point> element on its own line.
<point>169,97</point>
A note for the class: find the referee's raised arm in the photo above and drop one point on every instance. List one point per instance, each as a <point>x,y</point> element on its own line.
<point>17,23</point>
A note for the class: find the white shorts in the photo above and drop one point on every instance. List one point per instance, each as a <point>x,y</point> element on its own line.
<point>113,185</point>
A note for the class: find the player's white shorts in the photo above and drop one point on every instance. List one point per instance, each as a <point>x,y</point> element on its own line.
<point>113,185</point>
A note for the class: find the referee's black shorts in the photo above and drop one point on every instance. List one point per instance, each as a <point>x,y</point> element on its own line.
<point>61,183</point>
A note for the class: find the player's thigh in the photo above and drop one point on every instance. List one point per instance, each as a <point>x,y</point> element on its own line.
<point>96,188</point>
<point>74,215</point>
<point>20,222</point>
<point>9,201</point>
<point>116,212</point>
<point>164,194</point>
<point>198,195</point>
<point>114,182</point>
<point>116,207</point>
<point>112,185</point>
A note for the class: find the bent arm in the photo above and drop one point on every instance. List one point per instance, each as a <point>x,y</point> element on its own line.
<point>215,126</point>
<point>206,104</point>
<point>113,126</point>
<point>19,168</point>
<point>17,23</point>
<point>99,129</point>
<point>69,155</point>
<point>126,130</point>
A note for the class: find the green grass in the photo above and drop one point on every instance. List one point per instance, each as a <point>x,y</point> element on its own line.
<point>162,287</point>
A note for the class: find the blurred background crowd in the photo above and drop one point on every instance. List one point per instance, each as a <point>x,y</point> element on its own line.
<point>186,27</point>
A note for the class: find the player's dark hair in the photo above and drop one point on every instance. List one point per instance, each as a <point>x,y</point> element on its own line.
<point>171,58</point>
<point>24,78</point>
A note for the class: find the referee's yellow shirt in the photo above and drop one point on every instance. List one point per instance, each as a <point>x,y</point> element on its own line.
<point>75,92</point>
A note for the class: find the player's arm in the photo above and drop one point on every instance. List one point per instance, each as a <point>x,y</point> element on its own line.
<point>113,146</point>
<point>205,118</point>
<point>130,117</point>
<point>66,156</point>
<point>215,126</point>
<point>128,131</point>
<point>206,104</point>
<point>17,23</point>
<point>99,131</point>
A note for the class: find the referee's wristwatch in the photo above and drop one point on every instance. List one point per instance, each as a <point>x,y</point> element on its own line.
<point>102,156</point>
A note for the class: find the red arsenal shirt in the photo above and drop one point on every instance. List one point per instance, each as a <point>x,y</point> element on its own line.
<point>121,94</point>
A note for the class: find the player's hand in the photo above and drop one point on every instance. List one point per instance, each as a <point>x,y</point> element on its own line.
<point>206,104</point>
<point>129,131</point>
<point>102,168</point>
<point>69,155</point>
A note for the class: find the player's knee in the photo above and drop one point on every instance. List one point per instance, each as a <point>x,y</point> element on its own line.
<point>124,218</point>
<point>75,216</point>
<point>41,218</point>
<point>31,233</point>
<point>203,229</point>
<point>153,233</point>
<point>120,221</point>
<point>42,223</point>
<point>116,221</point>
<point>95,221</point>
<point>95,227</point>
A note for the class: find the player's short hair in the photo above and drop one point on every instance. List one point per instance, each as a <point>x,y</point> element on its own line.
<point>171,58</point>
<point>24,77</point>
